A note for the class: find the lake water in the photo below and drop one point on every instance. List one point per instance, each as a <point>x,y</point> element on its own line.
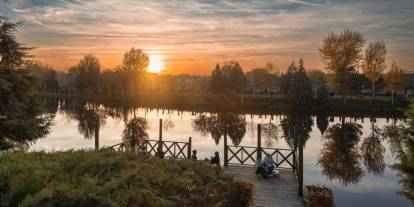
<point>353,186</point>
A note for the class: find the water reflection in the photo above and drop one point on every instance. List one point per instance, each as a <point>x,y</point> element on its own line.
<point>135,132</point>
<point>296,124</point>
<point>373,151</point>
<point>339,156</point>
<point>90,118</point>
<point>215,124</point>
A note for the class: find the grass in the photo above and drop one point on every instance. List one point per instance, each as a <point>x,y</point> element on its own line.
<point>108,178</point>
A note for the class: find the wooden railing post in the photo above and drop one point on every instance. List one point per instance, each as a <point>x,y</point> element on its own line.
<point>225,151</point>
<point>300,177</point>
<point>294,162</point>
<point>160,137</point>
<point>189,148</point>
<point>259,142</point>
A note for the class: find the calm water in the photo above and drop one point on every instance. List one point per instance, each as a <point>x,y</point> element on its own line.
<point>363,188</point>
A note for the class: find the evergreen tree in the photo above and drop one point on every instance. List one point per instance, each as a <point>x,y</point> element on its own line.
<point>21,121</point>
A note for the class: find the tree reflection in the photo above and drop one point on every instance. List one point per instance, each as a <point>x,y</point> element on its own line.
<point>373,151</point>
<point>135,132</point>
<point>402,144</point>
<point>215,124</point>
<point>296,125</point>
<point>270,134</point>
<point>339,155</point>
<point>90,118</point>
<point>322,122</point>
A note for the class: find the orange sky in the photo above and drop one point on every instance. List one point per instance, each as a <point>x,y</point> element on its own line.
<point>192,36</point>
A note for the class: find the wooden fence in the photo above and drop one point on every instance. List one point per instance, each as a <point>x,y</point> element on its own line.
<point>169,149</point>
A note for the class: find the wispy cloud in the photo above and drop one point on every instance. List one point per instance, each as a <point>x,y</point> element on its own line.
<point>194,35</point>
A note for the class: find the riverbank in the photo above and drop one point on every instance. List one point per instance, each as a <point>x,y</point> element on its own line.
<point>242,104</point>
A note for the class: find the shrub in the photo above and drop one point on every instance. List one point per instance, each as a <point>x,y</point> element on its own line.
<point>317,196</point>
<point>108,178</point>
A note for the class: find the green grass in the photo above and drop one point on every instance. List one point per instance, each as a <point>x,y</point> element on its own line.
<point>108,178</point>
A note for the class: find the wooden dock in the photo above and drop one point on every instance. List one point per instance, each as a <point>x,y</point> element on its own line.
<point>280,191</point>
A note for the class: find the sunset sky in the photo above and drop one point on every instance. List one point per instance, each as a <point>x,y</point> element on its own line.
<point>192,36</point>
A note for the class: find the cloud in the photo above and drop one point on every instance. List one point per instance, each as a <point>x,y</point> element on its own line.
<point>206,31</point>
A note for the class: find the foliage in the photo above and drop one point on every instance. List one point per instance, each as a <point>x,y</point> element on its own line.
<point>374,62</point>
<point>296,86</point>
<point>107,178</point>
<point>87,70</point>
<point>135,60</point>
<point>317,196</point>
<point>373,152</point>
<point>339,156</point>
<point>322,93</point>
<point>21,122</point>
<point>401,139</point>
<point>228,78</point>
<point>296,126</point>
<point>135,131</point>
<point>394,80</point>
<point>322,122</point>
<point>12,53</point>
<point>217,124</point>
<point>263,77</point>
<point>341,54</point>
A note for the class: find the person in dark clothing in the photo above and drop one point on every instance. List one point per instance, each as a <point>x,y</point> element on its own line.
<point>194,155</point>
<point>215,160</point>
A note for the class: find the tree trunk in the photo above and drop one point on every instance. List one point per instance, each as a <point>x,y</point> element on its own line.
<point>97,137</point>
<point>392,98</point>
<point>373,89</point>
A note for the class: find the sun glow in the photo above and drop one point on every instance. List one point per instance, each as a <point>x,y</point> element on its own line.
<point>156,64</point>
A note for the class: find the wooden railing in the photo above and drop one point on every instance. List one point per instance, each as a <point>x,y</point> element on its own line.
<point>245,155</point>
<point>169,149</point>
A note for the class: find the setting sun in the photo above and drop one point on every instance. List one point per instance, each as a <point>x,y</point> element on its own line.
<point>156,64</point>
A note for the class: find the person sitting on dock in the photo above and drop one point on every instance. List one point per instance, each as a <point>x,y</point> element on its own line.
<point>215,160</point>
<point>194,155</point>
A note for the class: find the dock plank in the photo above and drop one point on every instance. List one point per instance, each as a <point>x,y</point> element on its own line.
<point>280,191</point>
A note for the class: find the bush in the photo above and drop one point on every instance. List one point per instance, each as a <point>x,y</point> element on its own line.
<point>319,196</point>
<point>108,178</point>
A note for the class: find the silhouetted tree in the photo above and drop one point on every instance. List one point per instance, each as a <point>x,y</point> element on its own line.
<point>322,93</point>
<point>296,125</point>
<point>135,60</point>
<point>322,122</point>
<point>87,70</point>
<point>228,78</point>
<point>296,86</point>
<point>21,119</point>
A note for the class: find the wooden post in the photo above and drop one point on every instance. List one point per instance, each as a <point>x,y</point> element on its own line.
<point>160,137</point>
<point>226,162</point>
<point>189,148</point>
<point>259,142</point>
<point>294,162</point>
<point>300,177</point>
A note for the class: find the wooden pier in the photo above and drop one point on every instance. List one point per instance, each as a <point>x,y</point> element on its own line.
<point>282,190</point>
<point>279,191</point>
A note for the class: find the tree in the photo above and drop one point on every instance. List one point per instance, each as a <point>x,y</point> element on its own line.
<point>87,70</point>
<point>322,93</point>
<point>374,62</point>
<point>21,119</point>
<point>13,54</point>
<point>394,80</point>
<point>228,78</point>
<point>341,54</point>
<point>135,60</point>
<point>296,86</point>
